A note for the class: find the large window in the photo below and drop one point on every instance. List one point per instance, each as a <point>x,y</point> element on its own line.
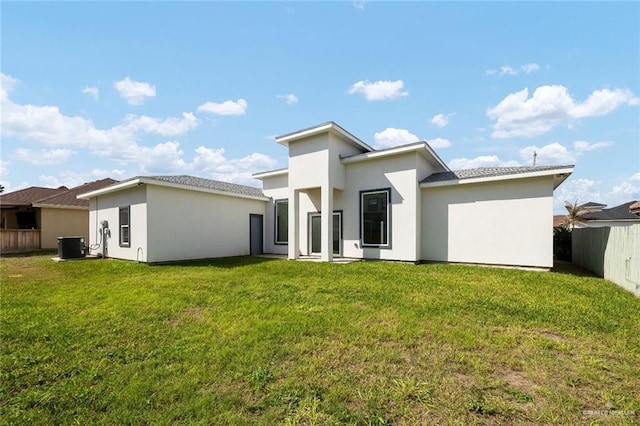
<point>282,221</point>
<point>374,217</point>
<point>124,227</point>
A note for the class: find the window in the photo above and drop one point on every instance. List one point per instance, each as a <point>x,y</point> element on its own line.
<point>374,217</point>
<point>282,221</point>
<point>124,227</point>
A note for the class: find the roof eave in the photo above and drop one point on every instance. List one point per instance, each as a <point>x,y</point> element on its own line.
<point>561,174</point>
<point>60,206</point>
<point>321,128</point>
<point>146,181</point>
<point>111,188</point>
<point>419,147</point>
<point>273,173</point>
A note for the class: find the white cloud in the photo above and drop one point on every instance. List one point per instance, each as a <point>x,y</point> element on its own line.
<point>581,190</point>
<point>214,164</point>
<point>229,107</point>
<point>91,91</point>
<point>7,84</point>
<point>509,70</point>
<point>506,69</point>
<point>529,68</point>
<point>379,90</point>
<point>43,156</point>
<point>358,5</point>
<point>4,169</point>
<point>551,154</point>
<point>635,178</point>
<point>135,92</point>
<point>439,143</point>
<point>481,161</point>
<point>441,120</point>
<point>289,98</point>
<point>583,146</point>
<point>170,126</point>
<point>603,102</point>
<point>391,137</point>
<point>519,115</point>
<point>71,178</point>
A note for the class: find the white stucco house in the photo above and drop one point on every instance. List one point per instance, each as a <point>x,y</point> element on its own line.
<point>338,197</point>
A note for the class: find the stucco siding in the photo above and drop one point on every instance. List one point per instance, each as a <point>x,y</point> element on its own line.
<point>399,174</point>
<point>194,225</point>
<point>309,162</point>
<point>62,223</point>
<point>107,207</point>
<point>504,223</point>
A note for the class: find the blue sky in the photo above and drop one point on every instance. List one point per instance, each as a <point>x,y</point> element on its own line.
<point>115,89</point>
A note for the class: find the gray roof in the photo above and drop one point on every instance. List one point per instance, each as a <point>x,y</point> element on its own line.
<point>216,185</point>
<point>486,172</point>
<point>621,212</point>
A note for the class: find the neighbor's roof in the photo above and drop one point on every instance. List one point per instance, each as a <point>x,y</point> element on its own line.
<point>27,196</point>
<point>592,204</point>
<point>183,182</point>
<point>70,198</point>
<point>486,174</point>
<point>621,212</point>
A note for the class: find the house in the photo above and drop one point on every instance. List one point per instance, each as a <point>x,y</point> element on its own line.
<point>165,218</point>
<point>35,217</point>
<point>623,215</point>
<point>337,197</point>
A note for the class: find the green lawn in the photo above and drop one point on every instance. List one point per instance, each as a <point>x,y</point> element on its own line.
<point>262,341</point>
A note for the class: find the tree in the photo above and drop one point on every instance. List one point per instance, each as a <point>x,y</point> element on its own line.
<point>575,213</point>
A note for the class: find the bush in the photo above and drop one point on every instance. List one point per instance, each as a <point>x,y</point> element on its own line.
<point>562,243</point>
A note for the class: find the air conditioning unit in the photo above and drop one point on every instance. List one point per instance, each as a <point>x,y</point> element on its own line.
<point>71,247</point>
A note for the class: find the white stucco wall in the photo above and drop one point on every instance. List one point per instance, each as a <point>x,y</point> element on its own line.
<point>275,187</point>
<point>398,173</point>
<point>309,162</point>
<point>106,207</point>
<point>503,223</point>
<point>187,224</point>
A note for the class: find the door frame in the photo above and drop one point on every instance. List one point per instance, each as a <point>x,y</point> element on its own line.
<point>251,233</point>
<point>310,232</point>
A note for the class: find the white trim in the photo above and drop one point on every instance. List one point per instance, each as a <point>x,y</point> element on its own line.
<point>262,175</point>
<point>453,182</point>
<point>146,181</point>
<point>326,127</point>
<point>415,147</point>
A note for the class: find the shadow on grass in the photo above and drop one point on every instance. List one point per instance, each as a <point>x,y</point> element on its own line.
<point>219,262</point>
<point>42,252</point>
<point>568,268</point>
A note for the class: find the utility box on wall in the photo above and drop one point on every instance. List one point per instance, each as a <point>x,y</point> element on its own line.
<point>71,247</point>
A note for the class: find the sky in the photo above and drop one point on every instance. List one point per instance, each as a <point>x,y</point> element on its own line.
<point>119,89</point>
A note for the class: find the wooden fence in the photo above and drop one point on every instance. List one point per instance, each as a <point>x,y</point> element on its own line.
<point>16,240</point>
<point>611,252</point>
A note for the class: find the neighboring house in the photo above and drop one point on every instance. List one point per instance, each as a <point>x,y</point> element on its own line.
<point>623,215</point>
<point>559,220</point>
<point>338,197</point>
<point>35,217</point>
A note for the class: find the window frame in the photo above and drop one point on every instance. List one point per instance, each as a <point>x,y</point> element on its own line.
<point>121,226</point>
<point>275,222</point>
<point>388,218</point>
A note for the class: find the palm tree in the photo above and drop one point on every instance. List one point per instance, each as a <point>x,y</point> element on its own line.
<point>575,213</point>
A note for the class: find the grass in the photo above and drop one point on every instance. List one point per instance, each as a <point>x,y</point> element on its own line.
<point>262,341</point>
